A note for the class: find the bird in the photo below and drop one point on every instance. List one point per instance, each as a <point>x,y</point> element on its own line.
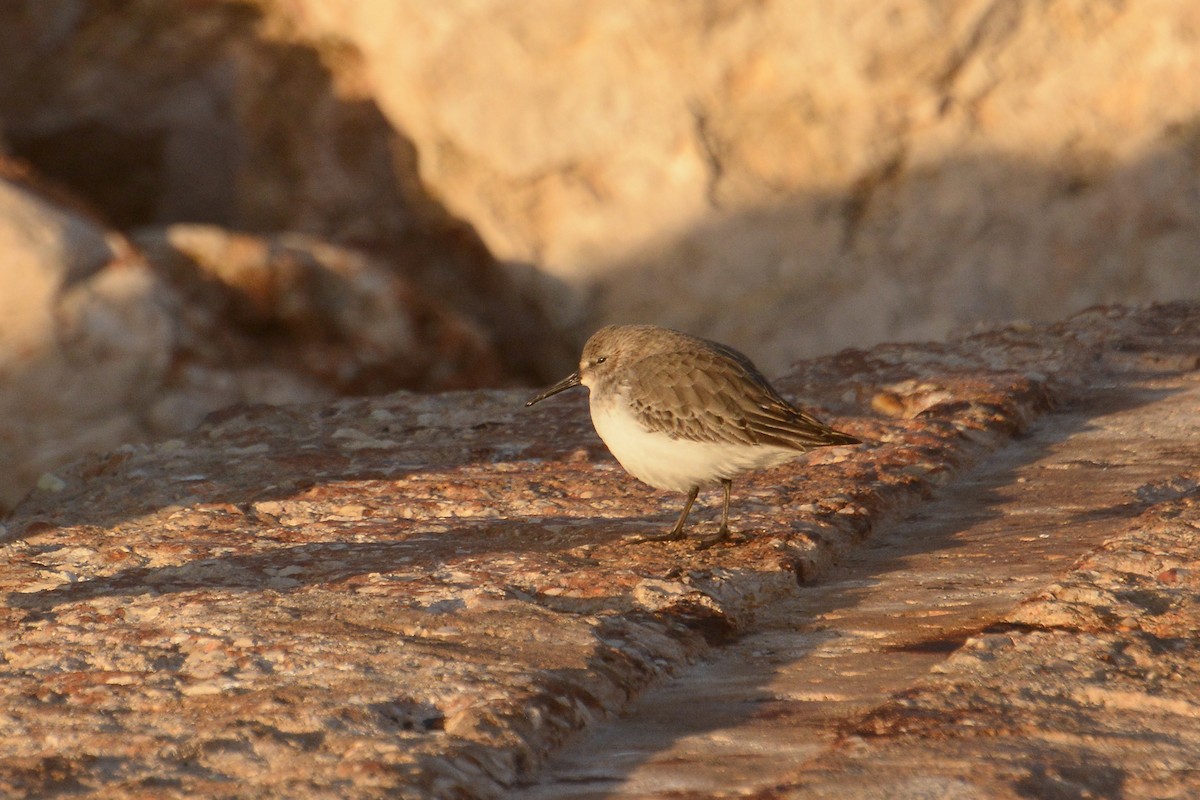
<point>680,413</point>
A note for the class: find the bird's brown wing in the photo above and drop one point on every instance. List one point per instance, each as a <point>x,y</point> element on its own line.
<point>717,396</point>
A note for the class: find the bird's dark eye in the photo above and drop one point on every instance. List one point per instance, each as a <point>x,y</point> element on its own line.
<point>601,359</point>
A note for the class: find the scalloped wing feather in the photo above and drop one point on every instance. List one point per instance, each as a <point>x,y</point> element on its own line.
<point>716,395</point>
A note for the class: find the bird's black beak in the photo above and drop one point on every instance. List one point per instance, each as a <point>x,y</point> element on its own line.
<point>568,382</point>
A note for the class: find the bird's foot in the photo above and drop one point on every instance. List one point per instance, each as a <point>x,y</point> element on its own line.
<point>705,542</point>
<point>673,535</point>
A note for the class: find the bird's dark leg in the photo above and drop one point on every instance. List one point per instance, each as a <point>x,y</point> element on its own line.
<point>723,532</point>
<point>675,533</point>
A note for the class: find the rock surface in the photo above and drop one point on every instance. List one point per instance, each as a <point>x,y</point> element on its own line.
<point>425,595</point>
<point>168,111</point>
<point>784,177</point>
<point>846,690</point>
<point>106,340</point>
<point>85,337</point>
<point>790,178</point>
<point>793,178</point>
<point>328,318</point>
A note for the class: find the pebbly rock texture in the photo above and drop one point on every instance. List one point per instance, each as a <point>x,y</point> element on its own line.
<point>425,594</point>
<point>829,693</point>
<point>106,340</point>
<point>1106,662</point>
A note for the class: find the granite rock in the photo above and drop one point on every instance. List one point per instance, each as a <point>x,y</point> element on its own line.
<point>427,594</point>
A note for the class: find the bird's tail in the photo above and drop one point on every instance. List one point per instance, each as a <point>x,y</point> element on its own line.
<point>831,438</point>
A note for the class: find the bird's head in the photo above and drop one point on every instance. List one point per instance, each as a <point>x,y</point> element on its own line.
<point>603,355</point>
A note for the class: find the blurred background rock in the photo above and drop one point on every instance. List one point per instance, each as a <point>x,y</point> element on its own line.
<point>221,201</point>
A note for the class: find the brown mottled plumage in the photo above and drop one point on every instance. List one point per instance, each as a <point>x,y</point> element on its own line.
<point>680,412</point>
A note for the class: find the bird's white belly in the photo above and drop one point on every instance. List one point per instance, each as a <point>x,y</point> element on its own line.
<point>678,464</point>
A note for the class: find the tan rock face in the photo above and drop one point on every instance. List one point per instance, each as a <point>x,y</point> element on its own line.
<point>330,316</point>
<point>85,338</point>
<point>46,247</point>
<point>788,177</point>
<point>796,177</point>
<point>222,113</point>
<point>104,341</point>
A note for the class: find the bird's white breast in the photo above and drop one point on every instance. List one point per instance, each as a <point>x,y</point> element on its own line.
<point>678,464</point>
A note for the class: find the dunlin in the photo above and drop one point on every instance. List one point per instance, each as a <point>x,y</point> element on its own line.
<point>680,412</point>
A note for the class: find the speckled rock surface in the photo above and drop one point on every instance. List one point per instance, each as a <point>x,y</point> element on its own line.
<point>425,595</point>
<point>1090,690</point>
<point>858,686</point>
